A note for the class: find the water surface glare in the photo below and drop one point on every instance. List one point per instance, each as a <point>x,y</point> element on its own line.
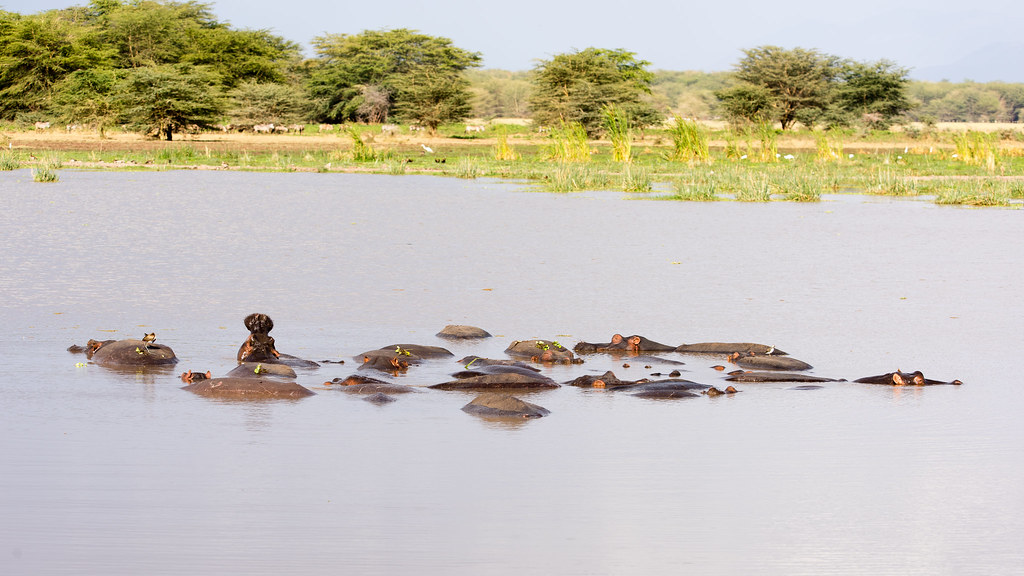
<point>111,472</point>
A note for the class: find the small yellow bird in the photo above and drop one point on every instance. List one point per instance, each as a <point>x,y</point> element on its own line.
<point>149,339</point>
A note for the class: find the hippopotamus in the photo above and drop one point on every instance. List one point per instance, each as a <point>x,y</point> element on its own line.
<point>899,378</point>
<point>190,376</point>
<point>607,380</point>
<point>461,332</point>
<point>668,389</point>
<point>259,346</point>
<point>767,362</point>
<point>634,344</point>
<point>503,406</point>
<point>528,371</point>
<point>546,351</point>
<point>247,388</point>
<point>261,370</point>
<point>130,352</point>
<point>359,384</point>
<point>729,348</point>
<point>743,376</point>
<point>379,398</point>
<point>472,362</point>
<point>497,379</point>
<point>712,391</point>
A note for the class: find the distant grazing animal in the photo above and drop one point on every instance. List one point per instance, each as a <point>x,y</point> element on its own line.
<point>263,128</point>
<point>475,128</point>
<point>297,128</point>
<point>42,125</point>
<point>389,128</point>
<point>327,127</point>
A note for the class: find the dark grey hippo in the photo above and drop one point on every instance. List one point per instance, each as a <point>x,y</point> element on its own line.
<point>461,332</point>
<point>359,384</point>
<point>729,348</point>
<point>608,380</point>
<point>528,371</point>
<point>261,370</point>
<point>247,388</point>
<point>619,343</point>
<point>668,389</point>
<point>543,351</point>
<point>130,353</point>
<point>767,362</point>
<point>744,376</point>
<point>899,378</point>
<point>493,405</point>
<point>508,380</point>
<point>259,346</point>
<point>472,362</point>
<point>379,398</point>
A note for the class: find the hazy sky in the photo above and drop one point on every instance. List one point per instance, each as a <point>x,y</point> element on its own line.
<point>936,39</point>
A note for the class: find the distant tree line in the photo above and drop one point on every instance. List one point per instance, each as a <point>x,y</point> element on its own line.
<point>163,66</point>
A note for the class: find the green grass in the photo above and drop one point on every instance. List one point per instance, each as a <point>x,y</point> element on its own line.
<point>8,161</point>
<point>926,167</point>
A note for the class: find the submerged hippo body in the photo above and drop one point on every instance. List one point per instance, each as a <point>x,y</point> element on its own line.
<point>503,406</point>
<point>776,377</point>
<point>248,388</point>
<point>729,348</point>
<point>619,343</point>
<point>461,332</point>
<point>767,362</point>
<point>474,362</point>
<point>899,378</point>
<point>499,381</point>
<point>132,353</point>
<point>261,370</point>
<point>359,384</point>
<point>608,381</point>
<point>544,351</point>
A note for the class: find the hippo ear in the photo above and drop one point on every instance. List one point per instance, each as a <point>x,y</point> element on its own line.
<point>897,379</point>
<point>616,338</point>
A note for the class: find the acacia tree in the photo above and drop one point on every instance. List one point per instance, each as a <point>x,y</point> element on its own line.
<point>787,86</point>
<point>577,86</point>
<point>164,99</point>
<point>37,53</point>
<point>421,76</point>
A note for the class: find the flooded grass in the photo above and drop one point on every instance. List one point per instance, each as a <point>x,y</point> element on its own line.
<point>753,166</point>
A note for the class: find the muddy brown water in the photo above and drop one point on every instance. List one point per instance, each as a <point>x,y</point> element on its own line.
<point>122,472</point>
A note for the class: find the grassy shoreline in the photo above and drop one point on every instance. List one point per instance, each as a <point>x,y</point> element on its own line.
<point>956,167</point>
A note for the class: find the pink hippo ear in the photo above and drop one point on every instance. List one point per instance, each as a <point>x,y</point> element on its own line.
<point>897,379</point>
<point>617,339</point>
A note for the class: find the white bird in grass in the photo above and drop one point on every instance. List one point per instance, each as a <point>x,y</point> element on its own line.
<point>427,148</point>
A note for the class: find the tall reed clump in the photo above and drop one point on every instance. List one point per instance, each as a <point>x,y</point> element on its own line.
<point>361,151</point>
<point>976,149</point>
<point>799,186</point>
<point>973,192</point>
<point>769,142</point>
<point>637,180</point>
<point>885,182</point>
<point>616,125</point>
<point>568,143</point>
<point>502,150</point>
<point>8,161</point>
<point>758,188</point>
<point>702,189</point>
<point>829,147</point>
<point>571,177</point>
<point>689,142</point>
<point>47,170</point>
<point>467,168</point>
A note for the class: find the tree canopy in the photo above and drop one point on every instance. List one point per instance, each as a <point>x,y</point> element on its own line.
<point>786,86</point>
<point>379,73</point>
<point>577,86</point>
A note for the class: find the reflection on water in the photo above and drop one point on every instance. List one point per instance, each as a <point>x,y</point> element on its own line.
<point>124,473</point>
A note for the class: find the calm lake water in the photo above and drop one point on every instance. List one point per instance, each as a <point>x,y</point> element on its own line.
<point>107,472</point>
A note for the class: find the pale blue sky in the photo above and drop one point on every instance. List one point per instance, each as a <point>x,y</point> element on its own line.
<point>956,40</point>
